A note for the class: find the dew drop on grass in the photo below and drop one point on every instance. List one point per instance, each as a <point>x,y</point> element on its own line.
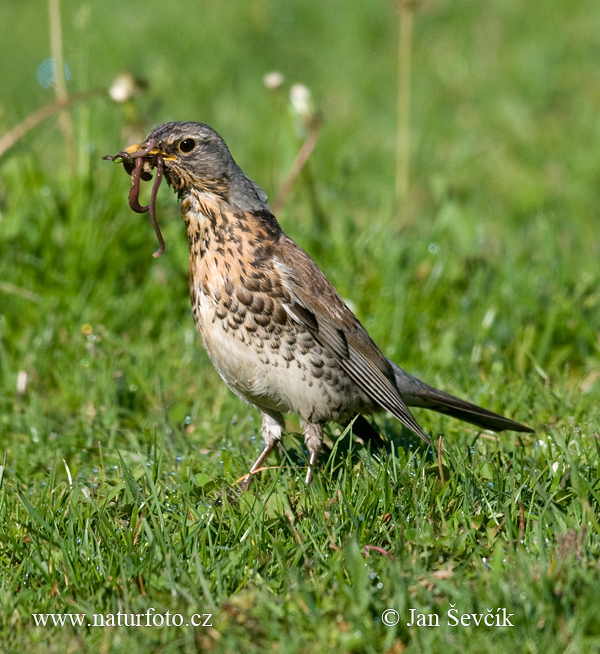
<point>188,420</point>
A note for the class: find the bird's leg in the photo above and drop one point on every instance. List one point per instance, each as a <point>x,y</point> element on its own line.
<point>272,429</point>
<point>313,437</point>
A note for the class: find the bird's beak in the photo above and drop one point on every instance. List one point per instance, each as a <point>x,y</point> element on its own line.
<point>136,147</point>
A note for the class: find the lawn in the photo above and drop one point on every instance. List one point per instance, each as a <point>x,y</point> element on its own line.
<point>120,445</point>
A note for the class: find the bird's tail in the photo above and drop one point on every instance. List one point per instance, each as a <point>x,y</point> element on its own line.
<point>416,393</point>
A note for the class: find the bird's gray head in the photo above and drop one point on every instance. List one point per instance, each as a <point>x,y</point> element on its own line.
<point>196,157</point>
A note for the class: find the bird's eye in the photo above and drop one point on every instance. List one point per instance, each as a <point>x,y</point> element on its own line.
<point>187,145</point>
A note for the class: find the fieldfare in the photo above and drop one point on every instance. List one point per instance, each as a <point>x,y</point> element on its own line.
<point>274,327</point>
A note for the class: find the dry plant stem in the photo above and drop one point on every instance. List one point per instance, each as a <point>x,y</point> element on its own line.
<point>376,548</point>
<point>440,466</point>
<point>407,10</point>
<point>311,188</point>
<point>301,158</point>
<point>11,289</point>
<point>66,124</point>
<point>18,131</point>
<point>521,522</point>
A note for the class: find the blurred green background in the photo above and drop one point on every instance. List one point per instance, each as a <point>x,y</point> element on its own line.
<point>486,282</point>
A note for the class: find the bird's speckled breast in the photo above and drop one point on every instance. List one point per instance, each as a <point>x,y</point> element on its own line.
<point>238,302</point>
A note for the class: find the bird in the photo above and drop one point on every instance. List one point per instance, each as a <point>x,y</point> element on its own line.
<point>274,327</point>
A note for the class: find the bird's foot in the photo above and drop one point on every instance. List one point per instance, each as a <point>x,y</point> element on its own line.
<point>244,485</point>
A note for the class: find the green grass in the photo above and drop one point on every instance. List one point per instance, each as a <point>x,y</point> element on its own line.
<point>119,460</point>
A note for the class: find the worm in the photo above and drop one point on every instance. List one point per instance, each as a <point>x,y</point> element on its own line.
<point>137,173</point>
<point>157,181</point>
<point>134,193</point>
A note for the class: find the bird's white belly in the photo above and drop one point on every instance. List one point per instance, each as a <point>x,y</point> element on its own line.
<point>261,375</point>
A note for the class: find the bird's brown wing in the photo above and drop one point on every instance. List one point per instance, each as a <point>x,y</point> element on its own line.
<point>317,305</point>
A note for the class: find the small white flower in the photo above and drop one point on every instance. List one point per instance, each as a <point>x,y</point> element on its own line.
<point>301,100</point>
<point>273,80</point>
<point>123,88</point>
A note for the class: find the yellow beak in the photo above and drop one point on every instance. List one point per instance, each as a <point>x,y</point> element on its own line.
<point>136,147</point>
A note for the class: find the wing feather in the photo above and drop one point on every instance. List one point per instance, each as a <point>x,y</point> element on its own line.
<point>317,305</point>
